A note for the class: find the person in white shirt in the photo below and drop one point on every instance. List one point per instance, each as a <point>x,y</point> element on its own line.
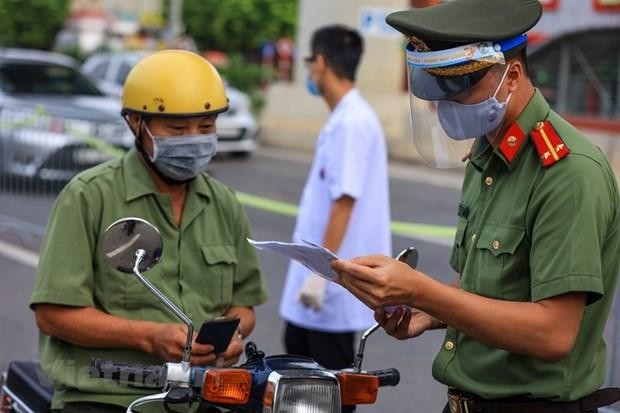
<point>344,206</point>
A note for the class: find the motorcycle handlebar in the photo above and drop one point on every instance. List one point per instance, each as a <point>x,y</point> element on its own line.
<point>137,375</point>
<point>153,376</point>
<point>387,377</point>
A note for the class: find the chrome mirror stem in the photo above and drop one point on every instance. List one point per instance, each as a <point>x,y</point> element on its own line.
<point>359,357</point>
<point>190,326</point>
<point>408,256</point>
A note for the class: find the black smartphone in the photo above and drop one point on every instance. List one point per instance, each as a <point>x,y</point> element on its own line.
<point>218,333</point>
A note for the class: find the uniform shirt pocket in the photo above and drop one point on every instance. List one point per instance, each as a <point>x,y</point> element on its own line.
<point>221,262</point>
<point>457,258</point>
<point>502,262</point>
<point>122,294</point>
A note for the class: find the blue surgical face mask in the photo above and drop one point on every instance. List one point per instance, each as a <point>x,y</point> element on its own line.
<point>182,158</point>
<point>312,87</point>
<point>461,121</point>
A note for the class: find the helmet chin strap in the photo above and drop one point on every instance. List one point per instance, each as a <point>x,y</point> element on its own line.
<point>147,158</point>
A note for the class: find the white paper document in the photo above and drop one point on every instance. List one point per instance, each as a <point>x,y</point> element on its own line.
<point>312,256</point>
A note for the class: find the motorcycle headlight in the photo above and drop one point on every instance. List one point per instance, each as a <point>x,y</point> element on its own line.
<point>311,391</point>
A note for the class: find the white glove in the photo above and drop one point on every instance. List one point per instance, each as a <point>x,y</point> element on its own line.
<point>312,292</point>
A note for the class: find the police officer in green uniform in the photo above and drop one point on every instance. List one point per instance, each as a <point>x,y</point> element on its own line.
<point>83,307</point>
<point>537,247</point>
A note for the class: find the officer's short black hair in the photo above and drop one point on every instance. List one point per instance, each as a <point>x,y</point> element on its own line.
<point>521,56</point>
<point>342,48</point>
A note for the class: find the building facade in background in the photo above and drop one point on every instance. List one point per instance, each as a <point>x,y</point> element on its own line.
<point>574,61</point>
<point>111,24</point>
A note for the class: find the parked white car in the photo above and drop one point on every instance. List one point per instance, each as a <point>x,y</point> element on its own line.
<point>53,121</point>
<point>236,128</point>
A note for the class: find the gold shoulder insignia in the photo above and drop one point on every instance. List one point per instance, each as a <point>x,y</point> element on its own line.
<point>551,148</point>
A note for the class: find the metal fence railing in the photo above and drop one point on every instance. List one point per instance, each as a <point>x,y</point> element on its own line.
<point>39,153</point>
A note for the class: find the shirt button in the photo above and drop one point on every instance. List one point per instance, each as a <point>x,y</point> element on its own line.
<point>496,244</point>
<point>473,238</point>
<point>488,181</point>
<point>449,345</point>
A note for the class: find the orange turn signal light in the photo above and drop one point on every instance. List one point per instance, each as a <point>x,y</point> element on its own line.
<point>268,396</point>
<point>358,388</point>
<point>227,386</point>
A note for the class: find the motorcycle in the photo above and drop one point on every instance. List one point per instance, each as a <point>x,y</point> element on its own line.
<point>267,384</point>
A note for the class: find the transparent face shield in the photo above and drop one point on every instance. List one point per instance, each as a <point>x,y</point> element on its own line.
<point>433,80</point>
<point>432,143</point>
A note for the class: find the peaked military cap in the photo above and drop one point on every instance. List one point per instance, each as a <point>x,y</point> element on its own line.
<point>492,27</point>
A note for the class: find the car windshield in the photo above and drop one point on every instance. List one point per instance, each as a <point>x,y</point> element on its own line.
<point>45,79</point>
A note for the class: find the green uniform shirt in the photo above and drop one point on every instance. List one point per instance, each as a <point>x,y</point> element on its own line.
<point>527,233</point>
<point>207,266</point>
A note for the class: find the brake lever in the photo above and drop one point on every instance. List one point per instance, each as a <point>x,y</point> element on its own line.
<point>147,399</point>
<point>179,395</point>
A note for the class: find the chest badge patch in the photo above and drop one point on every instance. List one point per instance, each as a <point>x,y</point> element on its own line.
<point>509,146</point>
<point>550,147</point>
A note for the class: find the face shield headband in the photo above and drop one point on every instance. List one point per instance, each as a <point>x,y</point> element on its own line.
<point>442,74</point>
<point>428,90</point>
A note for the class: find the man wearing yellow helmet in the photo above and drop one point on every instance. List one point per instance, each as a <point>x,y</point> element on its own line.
<point>86,309</point>
<point>162,98</point>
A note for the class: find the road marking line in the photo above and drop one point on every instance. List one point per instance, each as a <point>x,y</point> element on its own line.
<point>437,234</point>
<point>265,204</point>
<point>402,170</point>
<point>19,254</point>
<point>433,233</point>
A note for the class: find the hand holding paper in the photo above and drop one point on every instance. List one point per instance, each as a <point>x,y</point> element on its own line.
<point>312,256</point>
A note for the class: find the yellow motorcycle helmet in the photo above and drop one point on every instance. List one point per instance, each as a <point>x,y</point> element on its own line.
<point>174,83</point>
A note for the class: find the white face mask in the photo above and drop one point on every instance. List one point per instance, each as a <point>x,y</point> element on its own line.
<point>461,121</point>
<point>182,158</point>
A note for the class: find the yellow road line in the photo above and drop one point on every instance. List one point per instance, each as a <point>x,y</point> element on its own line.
<point>403,229</point>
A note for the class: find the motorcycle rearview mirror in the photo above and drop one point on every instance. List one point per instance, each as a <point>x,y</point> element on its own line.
<point>133,245</point>
<point>123,238</point>
<point>410,257</point>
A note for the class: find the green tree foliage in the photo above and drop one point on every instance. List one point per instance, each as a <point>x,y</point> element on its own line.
<point>238,25</point>
<point>31,23</point>
<point>247,77</point>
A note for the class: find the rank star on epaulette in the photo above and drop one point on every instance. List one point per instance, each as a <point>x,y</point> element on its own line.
<point>510,144</point>
<point>551,148</point>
